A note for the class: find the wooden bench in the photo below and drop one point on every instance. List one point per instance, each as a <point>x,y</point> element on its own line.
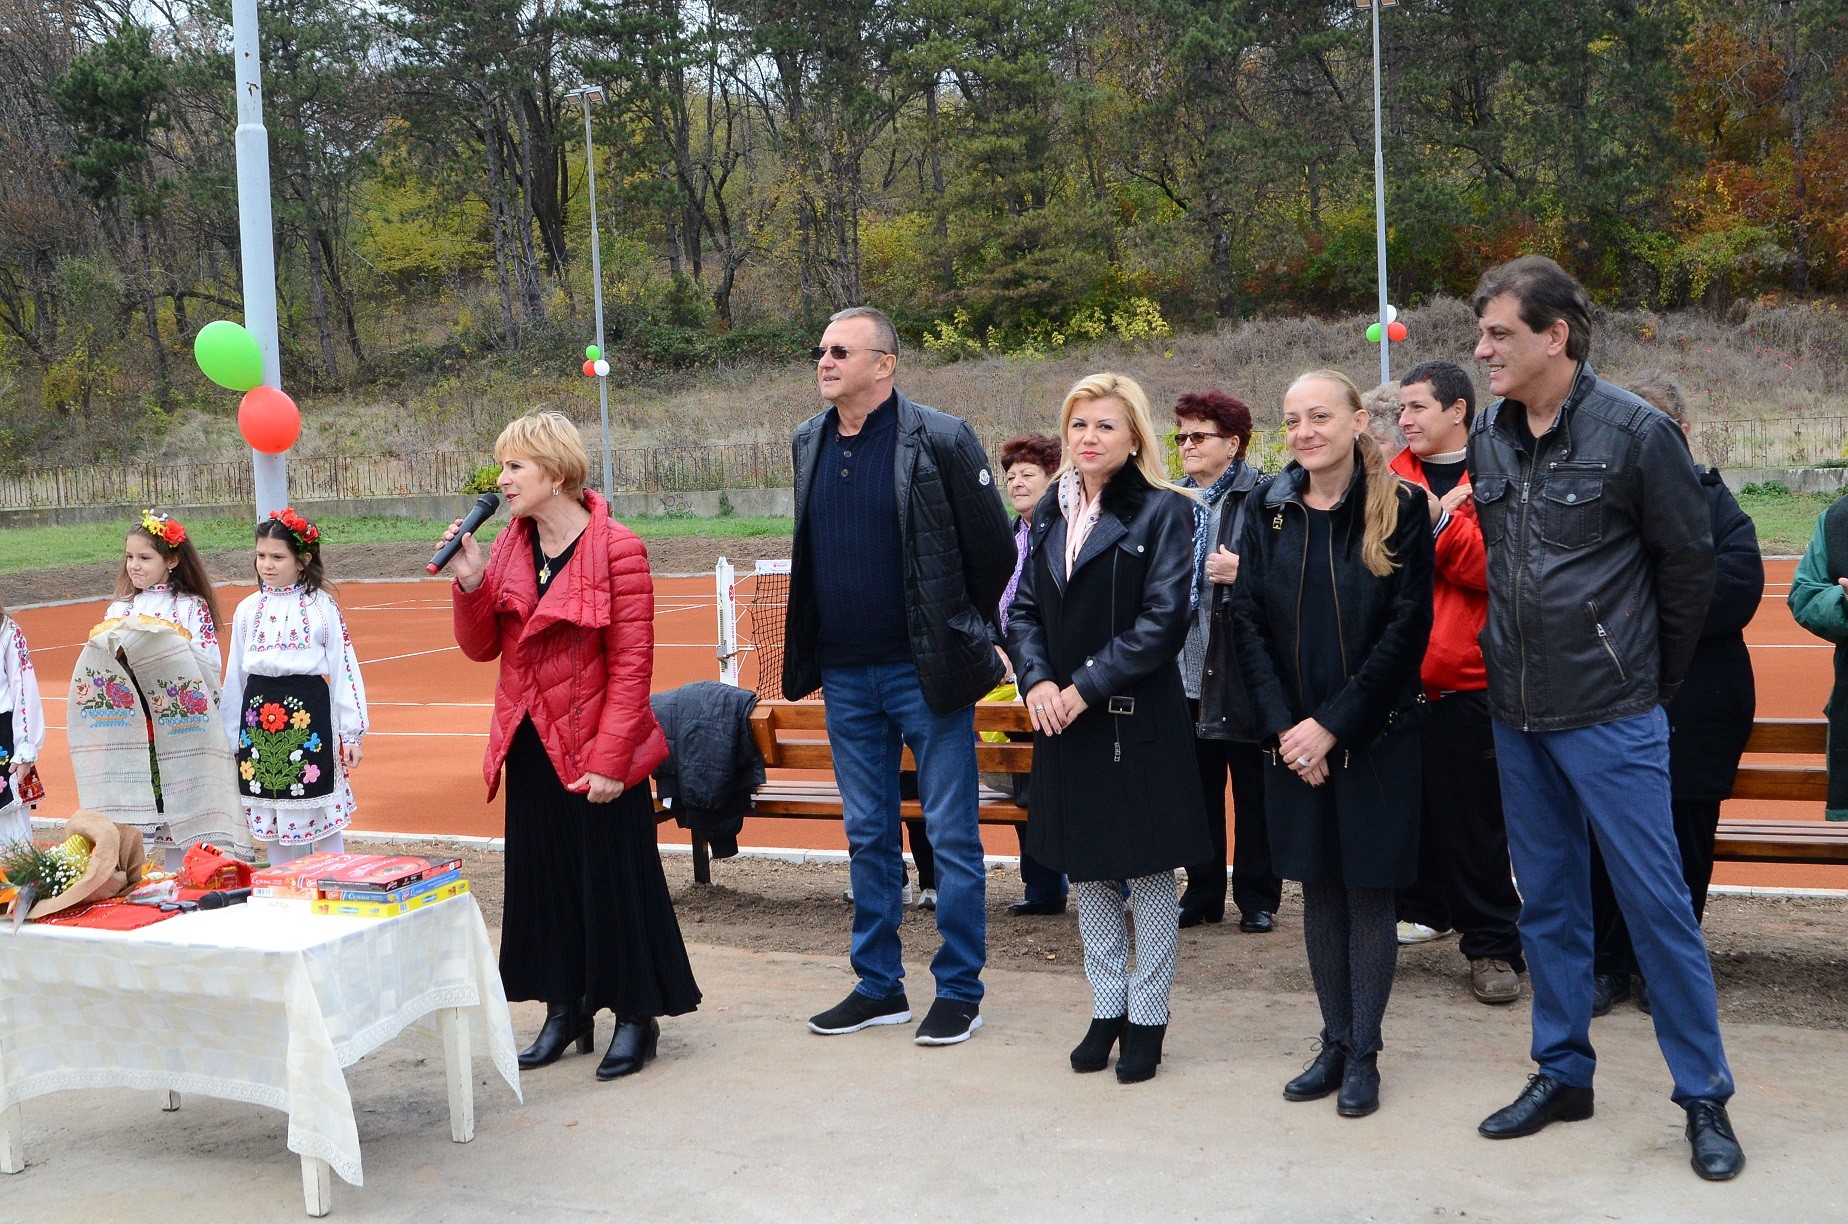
<point>792,735</point>
<point>1784,841</point>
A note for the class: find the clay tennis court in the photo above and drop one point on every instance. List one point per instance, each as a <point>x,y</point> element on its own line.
<point>430,706</point>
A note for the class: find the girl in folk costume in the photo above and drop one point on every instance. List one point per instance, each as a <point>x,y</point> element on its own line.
<point>22,729</point>
<point>164,577</point>
<point>296,704</point>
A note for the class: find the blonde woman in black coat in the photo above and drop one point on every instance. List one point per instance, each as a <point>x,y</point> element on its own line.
<point>1094,632</point>
<point>1332,612</point>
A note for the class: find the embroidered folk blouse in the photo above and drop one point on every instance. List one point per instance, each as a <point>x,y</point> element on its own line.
<point>286,631</point>
<point>189,612</point>
<point>19,691</point>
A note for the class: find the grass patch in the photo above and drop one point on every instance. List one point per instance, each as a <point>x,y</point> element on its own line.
<point>1785,520</point>
<point>32,548</point>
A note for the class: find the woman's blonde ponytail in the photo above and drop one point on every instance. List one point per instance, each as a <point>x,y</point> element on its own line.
<point>1382,510</point>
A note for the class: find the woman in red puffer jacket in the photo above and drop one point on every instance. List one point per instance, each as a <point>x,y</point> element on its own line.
<point>566,603</point>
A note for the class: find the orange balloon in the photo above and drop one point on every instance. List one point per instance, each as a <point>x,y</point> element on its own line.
<point>269,420</point>
<point>1395,331</point>
<point>590,369</point>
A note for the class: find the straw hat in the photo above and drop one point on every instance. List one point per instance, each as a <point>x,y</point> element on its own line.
<point>116,855</point>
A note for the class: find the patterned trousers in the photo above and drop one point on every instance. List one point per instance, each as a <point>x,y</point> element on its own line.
<point>1351,935</point>
<point>1103,921</point>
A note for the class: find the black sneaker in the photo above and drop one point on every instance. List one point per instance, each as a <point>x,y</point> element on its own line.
<point>856,1012</point>
<point>949,1021</point>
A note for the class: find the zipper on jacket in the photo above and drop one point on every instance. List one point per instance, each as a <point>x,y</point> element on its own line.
<point>1302,581</point>
<point>1334,592</point>
<point>1520,631</point>
<point>1604,640</point>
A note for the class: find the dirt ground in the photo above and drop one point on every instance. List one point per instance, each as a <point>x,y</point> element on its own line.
<point>398,562</point>
<point>1778,960</point>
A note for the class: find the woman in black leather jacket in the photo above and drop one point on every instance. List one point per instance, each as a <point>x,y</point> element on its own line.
<point>1097,621</point>
<point>1332,611</point>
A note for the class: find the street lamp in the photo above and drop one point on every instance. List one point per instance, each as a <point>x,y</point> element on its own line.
<point>1379,188</point>
<point>256,243</point>
<point>586,94</point>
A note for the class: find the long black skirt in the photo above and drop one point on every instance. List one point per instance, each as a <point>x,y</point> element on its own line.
<point>587,913</point>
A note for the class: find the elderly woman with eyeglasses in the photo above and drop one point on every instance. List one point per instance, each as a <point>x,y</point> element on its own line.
<point>1212,432</point>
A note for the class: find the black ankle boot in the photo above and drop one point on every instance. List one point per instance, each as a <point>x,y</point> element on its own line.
<point>1360,1087</point>
<point>1093,1053</point>
<point>1321,1076</point>
<point>564,1023</point>
<point>1141,1052</point>
<point>633,1045</point>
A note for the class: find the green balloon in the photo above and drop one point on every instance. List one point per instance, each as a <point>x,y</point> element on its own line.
<point>228,355</point>
<point>1373,333</point>
<point>592,352</point>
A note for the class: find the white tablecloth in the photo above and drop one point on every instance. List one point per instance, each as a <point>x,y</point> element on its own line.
<point>252,1004</point>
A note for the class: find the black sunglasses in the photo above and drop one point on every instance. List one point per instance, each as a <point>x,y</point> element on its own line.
<point>1196,437</point>
<point>839,352</point>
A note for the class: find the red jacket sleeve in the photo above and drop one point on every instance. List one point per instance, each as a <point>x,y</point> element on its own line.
<point>628,724</point>
<point>477,627</point>
<point>1461,558</point>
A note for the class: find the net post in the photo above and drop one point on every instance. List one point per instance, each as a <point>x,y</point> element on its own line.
<point>724,577</point>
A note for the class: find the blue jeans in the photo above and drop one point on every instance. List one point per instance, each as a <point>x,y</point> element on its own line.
<point>872,712</point>
<point>1556,786</point>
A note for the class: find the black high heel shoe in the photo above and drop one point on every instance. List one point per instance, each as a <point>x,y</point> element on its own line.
<point>631,1047</point>
<point>564,1023</point>
<point>1093,1053</point>
<point>1141,1052</point>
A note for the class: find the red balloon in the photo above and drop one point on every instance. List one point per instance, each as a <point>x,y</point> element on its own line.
<point>1395,331</point>
<point>269,420</point>
<point>590,369</point>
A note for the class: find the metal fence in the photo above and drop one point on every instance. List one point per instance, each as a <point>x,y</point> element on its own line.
<point>659,469</point>
<point>1730,445</point>
<point>1782,443</point>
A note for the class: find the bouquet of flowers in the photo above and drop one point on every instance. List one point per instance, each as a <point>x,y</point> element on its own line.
<point>30,873</point>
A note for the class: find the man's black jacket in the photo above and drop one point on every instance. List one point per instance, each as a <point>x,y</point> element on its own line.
<point>1600,558</point>
<point>959,554</point>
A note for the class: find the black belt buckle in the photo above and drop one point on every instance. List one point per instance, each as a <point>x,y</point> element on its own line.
<point>1121,705</point>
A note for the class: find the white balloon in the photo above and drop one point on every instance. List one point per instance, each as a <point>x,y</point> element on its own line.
<point>602,367</point>
<point>1392,314</point>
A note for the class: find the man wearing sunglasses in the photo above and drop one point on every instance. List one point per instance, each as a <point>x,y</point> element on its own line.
<point>902,550</point>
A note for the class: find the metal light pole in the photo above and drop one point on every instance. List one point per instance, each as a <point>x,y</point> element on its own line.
<point>255,236</point>
<point>1379,189</point>
<point>588,94</point>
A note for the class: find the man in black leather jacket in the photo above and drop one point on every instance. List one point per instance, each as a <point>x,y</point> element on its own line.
<point>902,550</point>
<point>1600,566</point>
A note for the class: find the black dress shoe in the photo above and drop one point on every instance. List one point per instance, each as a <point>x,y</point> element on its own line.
<point>1717,1155</point>
<point>1360,1087</point>
<point>1543,1101</point>
<point>1093,1053</point>
<point>1022,909</point>
<point>632,1046</point>
<point>1607,991</point>
<point>1141,1052</point>
<point>1322,1076</point>
<point>1193,913</point>
<point>564,1024</point>
<point>1257,922</point>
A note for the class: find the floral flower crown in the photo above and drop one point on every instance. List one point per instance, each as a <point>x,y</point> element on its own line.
<point>164,528</point>
<point>305,532</point>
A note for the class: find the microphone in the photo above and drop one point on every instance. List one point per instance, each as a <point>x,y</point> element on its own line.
<point>479,513</point>
<point>219,898</point>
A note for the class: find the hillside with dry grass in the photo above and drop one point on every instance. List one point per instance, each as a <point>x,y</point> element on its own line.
<point>1787,365</point>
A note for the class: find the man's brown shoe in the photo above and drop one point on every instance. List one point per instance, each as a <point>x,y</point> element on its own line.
<point>1494,981</point>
